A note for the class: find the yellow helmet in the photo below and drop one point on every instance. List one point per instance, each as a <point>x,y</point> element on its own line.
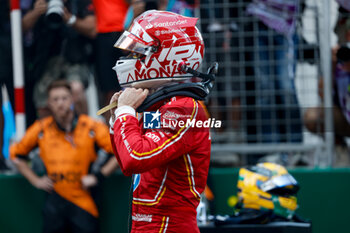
<point>268,186</point>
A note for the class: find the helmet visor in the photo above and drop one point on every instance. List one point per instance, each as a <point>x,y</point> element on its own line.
<point>130,42</point>
<point>285,182</point>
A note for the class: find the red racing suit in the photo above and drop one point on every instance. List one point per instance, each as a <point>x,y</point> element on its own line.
<point>171,164</point>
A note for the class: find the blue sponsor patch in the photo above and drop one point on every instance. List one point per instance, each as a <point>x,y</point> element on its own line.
<point>137,179</point>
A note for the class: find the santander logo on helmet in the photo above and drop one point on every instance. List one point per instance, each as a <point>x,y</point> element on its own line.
<point>158,42</point>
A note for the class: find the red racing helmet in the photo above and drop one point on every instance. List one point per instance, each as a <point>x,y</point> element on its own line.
<point>159,42</point>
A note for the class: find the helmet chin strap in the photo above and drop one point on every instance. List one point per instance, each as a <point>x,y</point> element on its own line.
<point>198,91</point>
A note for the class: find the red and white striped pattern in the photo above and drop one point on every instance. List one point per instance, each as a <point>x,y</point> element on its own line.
<point>17,63</point>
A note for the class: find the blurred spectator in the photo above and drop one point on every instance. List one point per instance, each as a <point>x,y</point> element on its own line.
<point>342,26</point>
<point>226,34</point>
<point>67,144</point>
<point>314,117</point>
<point>277,112</point>
<point>5,67</point>
<point>139,6</point>
<point>110,17</point>
<point>182,7</point>
<point>60,42</point>
<point>344,3</point>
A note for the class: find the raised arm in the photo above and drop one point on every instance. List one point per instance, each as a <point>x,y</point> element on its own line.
<point>32,16</point>
<point>85,26</point>
<point>139,151</point>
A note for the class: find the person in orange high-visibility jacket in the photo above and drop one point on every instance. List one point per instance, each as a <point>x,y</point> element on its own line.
<point>67,145</point>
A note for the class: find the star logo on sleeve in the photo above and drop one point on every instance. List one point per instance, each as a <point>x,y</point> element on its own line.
<point>151,120</point>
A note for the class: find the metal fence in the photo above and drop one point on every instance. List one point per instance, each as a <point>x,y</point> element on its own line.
<point>268,79</point>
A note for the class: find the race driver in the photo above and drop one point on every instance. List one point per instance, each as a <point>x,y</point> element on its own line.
<point>169,160</point>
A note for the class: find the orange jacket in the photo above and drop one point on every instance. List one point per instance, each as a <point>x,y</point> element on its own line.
<point>66,156</point>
